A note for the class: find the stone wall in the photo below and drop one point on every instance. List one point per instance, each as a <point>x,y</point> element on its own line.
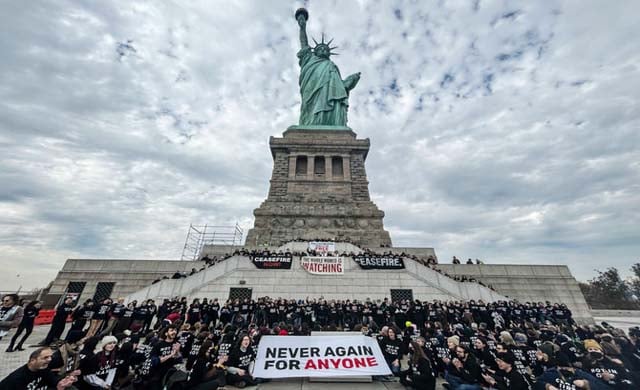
<point>314,204</point>
<point>129,276</point>
<point>538,283</point>
<point>355,283</point>
<point>523,282</point>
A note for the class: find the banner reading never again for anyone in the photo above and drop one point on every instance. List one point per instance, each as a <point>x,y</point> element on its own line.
<point>318,356</point>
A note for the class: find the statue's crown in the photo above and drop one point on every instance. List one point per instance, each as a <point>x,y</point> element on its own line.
<point>325,45</point>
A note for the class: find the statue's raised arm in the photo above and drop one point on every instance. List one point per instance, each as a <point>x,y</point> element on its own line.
<point>324,93</point>
<point>301,16</point>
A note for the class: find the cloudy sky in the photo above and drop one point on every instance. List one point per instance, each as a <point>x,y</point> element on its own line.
<point>499,130</point>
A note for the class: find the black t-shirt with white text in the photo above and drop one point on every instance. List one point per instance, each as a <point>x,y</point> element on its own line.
<point>23,378</point>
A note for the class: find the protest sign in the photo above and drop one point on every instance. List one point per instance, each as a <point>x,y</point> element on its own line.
<point>322,246</point>
<point>379,262</point>
<point>319,356</point>
<point>323,265</point>
<point>272,261</point>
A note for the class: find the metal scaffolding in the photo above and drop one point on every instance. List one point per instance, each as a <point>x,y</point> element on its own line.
<point>200,235</point>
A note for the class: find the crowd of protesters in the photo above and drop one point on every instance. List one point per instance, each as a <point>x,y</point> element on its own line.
<point>430,261</point>
<point>207,344</point>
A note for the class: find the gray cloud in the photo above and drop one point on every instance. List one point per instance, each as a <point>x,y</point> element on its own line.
<point>507,133</point>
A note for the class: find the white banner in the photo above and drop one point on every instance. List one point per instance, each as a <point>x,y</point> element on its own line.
<point>323,265</point>
<point>319,356</point>
<point>322,246</point>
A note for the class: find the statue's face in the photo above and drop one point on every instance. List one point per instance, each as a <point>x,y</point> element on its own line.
<point>322,51</point>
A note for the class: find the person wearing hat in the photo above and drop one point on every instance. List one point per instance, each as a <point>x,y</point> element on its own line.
<point>544,358</point>
<point>99,370</point>
<point>510,379</point>
<point>483,353</point>
<point>603,367</point>
<point>565,376</point>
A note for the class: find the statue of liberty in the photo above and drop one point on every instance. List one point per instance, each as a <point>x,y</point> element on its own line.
<point>324,94</point>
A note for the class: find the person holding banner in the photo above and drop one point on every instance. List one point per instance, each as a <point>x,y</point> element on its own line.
<point>239,361</point>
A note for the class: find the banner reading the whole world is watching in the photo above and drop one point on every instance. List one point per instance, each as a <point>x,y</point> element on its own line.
<point>319,356</point>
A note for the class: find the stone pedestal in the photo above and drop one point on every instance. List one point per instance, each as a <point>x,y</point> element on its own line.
<point>319,190</point>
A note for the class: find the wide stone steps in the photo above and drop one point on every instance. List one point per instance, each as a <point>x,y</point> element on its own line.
<point>355,283</point>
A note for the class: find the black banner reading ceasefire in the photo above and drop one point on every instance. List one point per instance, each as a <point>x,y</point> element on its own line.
<point>379,262</point>
<point>272,261</point>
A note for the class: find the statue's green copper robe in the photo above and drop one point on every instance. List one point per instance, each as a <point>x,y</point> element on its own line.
<point>324,97</point>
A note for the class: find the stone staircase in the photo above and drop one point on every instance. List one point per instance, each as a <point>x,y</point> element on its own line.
<point>356,283</point>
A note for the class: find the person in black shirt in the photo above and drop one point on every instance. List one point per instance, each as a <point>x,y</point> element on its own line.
<point>611,371</point>
<point>99,317</point>
<point>225,314</point>
<point>30,313</point>
<point>163,311</point>
<point>214,311</point>
<point>81,315</point>
<point>390,346</point>
<point>35,375</point>
<point>165,354</point>
<point>206,374</point>
<point>139,317</point>
<point>239,361</point>
<point>510,379</point>
<point>194,314</point>
<point>115,314</point>
<point>59,319</point>
<point>463,371</point>
<point>194,348</point>
<point>99,370</point>
<point>152,309</point>
<point>124,323</point>
<point>185,338</point>
<point>420,375</point>
<point>484,355</point>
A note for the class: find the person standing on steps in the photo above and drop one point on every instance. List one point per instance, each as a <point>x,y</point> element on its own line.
<point>59,320</point>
